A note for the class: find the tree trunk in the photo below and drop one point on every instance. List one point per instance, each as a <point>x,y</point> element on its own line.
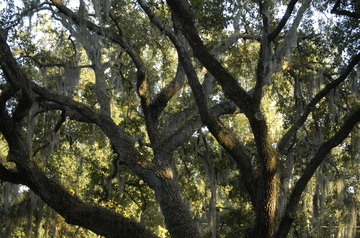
<point>265,210</point>
<point>178,218</point>
<point>266,194</point>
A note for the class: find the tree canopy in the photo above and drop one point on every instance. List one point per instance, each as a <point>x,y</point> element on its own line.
<point>179,118</point>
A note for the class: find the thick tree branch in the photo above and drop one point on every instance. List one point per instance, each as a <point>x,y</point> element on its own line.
<point>159,175</point>
<point>98,219</point>
<point>123,144</point>
<point>250,106</point>
<point>323,151</point>
<point>224,136</point>
<point>267,155</point>
<point>230,85</point>
<point>119,38</point>
<point>18,80</point>
<point>285,140</point>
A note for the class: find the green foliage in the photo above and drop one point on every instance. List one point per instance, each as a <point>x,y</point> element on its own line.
<point>80,156</point>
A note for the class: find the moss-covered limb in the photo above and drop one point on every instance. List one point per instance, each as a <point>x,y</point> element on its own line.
<point>98,219</point>
<point>314,164</point>
<point>316,99</point>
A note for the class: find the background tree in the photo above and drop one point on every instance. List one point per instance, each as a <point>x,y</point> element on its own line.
<point>181,119</point>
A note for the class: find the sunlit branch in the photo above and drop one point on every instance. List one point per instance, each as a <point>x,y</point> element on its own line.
<point>266,153</point>
<point>142,76</point>
<point>222,134</point>
<point>160,101</point>
<point>152,108</point>
<point>225,137</point>
<point>123,144</point>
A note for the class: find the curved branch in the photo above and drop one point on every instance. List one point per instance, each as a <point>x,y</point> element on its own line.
<point>98,219</point>
<point>18,80</point>
<point>287,136</point>
<point>283,21</point>
<point>70,113</point>
<point>225,44</point>
<point>123,144</point>
<point>148,106</point>
<point>323,151</point>
<point>337,11</point>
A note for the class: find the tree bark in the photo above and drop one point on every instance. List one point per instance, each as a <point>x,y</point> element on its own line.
<point>98,219</point>
<point>178,218</point>
<point>264,196</point>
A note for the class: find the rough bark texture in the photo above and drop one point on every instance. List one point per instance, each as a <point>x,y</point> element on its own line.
<point>159,175</point>
<point>178,218</point>
<point>258,172</point>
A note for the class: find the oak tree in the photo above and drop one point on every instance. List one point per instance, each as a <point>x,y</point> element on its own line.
<point>227,116</point>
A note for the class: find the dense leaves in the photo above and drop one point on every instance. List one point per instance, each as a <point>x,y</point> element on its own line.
<point>179,118</point>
